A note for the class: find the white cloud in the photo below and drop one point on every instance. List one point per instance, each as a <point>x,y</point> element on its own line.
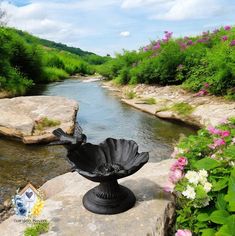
<point>36,19</point>
<point>125,34</point>
<point>190,9</point>
<point>177,9</point>
<point>142,3</point>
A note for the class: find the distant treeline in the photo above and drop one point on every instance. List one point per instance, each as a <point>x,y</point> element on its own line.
<point>26,60</point>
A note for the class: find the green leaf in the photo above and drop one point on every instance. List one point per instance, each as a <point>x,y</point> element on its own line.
<point>231,223</point>
<point>229,152</point>
<point>220,203</point>
<point>206,164</point>
<point>229,228</point>
<point>223,231</point>
<point>203,217</point>
<point>230,197</point>
<point>219,216</point>
<point>221,184</point>
<point>208,232</point>
<point>200,192</point>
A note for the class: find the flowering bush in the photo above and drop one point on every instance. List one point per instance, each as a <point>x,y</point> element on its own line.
<point>191,61</point>
<point>203,181</point>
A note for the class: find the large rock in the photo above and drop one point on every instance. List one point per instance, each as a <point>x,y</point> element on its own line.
<point>19,116</point>
<point>151,215</point>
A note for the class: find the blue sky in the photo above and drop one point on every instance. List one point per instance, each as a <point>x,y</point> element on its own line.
<point>108,26</point>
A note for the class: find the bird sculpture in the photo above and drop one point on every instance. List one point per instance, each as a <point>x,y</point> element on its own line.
<point>69,141</point>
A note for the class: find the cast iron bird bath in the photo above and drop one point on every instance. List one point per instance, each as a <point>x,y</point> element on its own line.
<point>106,163</point>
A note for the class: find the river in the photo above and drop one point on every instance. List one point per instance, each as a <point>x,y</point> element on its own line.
<point>101,115</point>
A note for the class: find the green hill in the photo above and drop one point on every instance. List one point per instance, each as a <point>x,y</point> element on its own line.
<point>51,44</point>
<point>27,60</point>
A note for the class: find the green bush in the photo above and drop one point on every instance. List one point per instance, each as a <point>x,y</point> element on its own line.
<point>194,61</point>
<point>52,74</point>
<point>24,62</point>
<point>203,181</point>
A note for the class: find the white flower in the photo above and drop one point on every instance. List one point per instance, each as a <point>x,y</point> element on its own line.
<point>233,140</point>
<point>207,187</point>
<point>192,177</point>
<point>202,176</point>
<point>203,173</point>
<point>189,192</point>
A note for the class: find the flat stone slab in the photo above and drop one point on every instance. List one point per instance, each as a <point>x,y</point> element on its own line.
<point>151,214</point>
<point>19,116</point>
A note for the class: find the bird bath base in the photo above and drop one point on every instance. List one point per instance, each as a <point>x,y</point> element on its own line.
<point>109,198</point>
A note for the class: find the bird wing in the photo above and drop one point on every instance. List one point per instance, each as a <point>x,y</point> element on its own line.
<point>77,130</point>
<point>63,136</point>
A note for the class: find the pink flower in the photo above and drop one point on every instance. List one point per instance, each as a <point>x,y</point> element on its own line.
<point>232,43</point>
<point>179,164</point>
<point>182,161</point>
<point>168,34</point>
<point>203,40</point>
<point>218,142</point>
<point>190,42</point>
<point>227,27</point>
<point>146,49</point>
<point>206,85</point>
<point>213,130</point>
<point>224,38</point>
<point>202,92</point>
<point>165,40</point>
<point>224,121</point>
<point>156,46</point>
<point>183,232</point>
<point>225,133</point>
<point>169,187</point>
<point>175,175</point>
<point>213,156</point>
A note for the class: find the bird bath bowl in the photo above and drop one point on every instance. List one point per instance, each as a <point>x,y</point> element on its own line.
<point>106,163</point>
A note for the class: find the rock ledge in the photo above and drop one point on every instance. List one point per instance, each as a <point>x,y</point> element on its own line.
<point>19,117</point>
<point>151,215</point>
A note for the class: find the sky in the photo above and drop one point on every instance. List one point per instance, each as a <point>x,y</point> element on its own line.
<point>109,26</point>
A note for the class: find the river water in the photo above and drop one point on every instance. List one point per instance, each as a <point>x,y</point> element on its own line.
<point>101,115</point>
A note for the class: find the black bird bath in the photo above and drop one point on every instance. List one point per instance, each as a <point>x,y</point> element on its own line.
<point>106,163</point>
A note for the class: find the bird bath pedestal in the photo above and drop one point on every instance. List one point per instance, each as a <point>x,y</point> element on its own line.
<point>106,163</point>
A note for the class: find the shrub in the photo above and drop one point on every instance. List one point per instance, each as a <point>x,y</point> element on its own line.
<point>202,180</point>
<point>130,94</point>
<point>207,58</point>
<point>46,122</point>
<point>149,101</point>
<point>182,108</point>
<point>37,229</point>
<point>52,74</point>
